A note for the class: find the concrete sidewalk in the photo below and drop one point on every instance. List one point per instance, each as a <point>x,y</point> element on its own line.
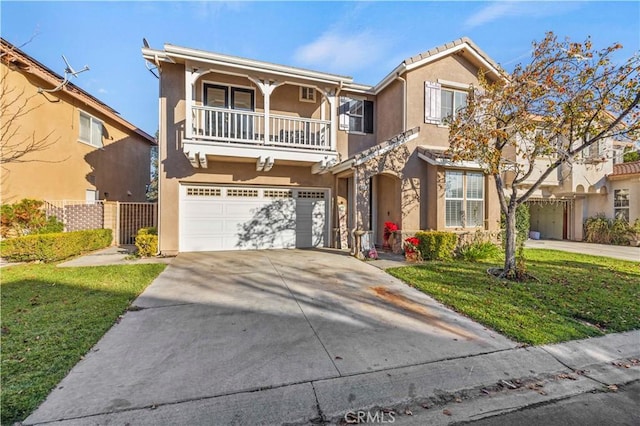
<point>115,255</point>
<point>617,252</point>
<point>442,392</point>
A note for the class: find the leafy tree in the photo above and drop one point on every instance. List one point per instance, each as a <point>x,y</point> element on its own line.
<point>152,188</point>
<point>568,98</point>
<point>630,156</point>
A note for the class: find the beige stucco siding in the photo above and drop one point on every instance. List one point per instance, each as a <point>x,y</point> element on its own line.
<point>67,168</point>
<point>389,111</point>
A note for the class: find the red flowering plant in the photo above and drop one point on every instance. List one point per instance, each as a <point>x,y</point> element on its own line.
<point>411,248</point>
<point>389,227</point>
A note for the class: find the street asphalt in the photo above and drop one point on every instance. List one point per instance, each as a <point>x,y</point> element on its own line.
<point>308,336</point>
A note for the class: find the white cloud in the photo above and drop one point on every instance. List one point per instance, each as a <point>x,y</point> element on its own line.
<point>341,52</point>
<point>103,91</point>
<point>497,10</point>
<point>489,13</point>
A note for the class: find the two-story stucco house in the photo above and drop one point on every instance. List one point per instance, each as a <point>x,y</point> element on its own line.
<point>261,155</point>
<point>84,149</point>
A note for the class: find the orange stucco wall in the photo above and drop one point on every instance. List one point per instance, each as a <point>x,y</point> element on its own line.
<point>67,167</point>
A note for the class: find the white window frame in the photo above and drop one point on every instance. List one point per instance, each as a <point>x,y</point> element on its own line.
<point>350,114</point>
<point>92,121</point>
<point>621,204</point>
<point>307,94</point>
<point>455,108</point>
<point>465,199</point>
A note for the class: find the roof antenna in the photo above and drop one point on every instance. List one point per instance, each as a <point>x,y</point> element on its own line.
<point>145,43</point>
<point>68,71</point>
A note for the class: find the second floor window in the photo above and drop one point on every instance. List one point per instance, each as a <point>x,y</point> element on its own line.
<point>451,102</point>
<point>90,130</point>
<point>307,94</point>
<point>356,115</point>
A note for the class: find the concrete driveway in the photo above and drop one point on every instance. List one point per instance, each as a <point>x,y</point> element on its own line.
<point>215,327</point>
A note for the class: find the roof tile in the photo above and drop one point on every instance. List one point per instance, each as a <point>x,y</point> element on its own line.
<point>632,168</point>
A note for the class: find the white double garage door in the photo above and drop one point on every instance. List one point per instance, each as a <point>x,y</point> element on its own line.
<point>214,218</point>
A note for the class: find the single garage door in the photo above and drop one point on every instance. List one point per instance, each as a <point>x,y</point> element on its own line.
<point>216,218</point>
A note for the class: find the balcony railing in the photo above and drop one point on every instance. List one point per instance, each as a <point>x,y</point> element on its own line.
<point>247,127</point>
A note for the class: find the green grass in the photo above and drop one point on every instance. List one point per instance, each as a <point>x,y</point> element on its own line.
<point>51,317</point>
<point>576,296</point>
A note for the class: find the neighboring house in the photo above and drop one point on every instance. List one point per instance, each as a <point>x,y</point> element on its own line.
<point>260,155</point>
<point>624,196</point>
<point>89,151</point>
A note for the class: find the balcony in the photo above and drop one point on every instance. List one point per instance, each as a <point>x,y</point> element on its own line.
<point>245,127</point>
<point>268,138</point>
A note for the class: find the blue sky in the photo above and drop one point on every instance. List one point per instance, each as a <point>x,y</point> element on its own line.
<point>365,40</point>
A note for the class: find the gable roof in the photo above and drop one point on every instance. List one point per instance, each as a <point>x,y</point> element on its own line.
<point>13,56</point>
<point>464,45</point>
<point>620,169</point>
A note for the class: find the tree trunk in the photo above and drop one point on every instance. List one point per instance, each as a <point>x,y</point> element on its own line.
<point>509,270</point>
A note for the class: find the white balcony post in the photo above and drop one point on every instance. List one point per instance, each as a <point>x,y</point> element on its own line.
<point>333,107</point>
<point>188,99</point>
<point>266,87</point>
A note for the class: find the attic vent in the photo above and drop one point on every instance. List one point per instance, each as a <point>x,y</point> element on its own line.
<point>311,194</point>
<point>203,192</point>
<point>249,193</point>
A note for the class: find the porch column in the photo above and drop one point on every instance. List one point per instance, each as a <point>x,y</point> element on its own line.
<point>266,87</point>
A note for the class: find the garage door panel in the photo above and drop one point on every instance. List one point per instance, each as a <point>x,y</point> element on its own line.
<point>268,218</point>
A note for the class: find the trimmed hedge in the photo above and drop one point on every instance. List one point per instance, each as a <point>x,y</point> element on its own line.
<point>147,242</point>
<point>53,247</point>
<point>437,245</point>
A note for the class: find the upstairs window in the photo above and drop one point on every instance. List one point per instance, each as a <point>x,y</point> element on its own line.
<point>441,103</point>
<point>356,115</point>
<point>90,130</point>
<point>452,101</point>
<point>307,94</point>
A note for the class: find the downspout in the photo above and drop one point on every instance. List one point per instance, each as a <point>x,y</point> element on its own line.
<point>404,102</point>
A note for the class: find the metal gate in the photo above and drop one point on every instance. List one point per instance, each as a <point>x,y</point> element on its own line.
<point>133,216</point>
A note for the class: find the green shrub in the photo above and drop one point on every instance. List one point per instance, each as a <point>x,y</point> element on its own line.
<point>630,157</point>
<point>147,242</point>
<point>619,232</point>
<point>152,230</point>
<point>436,245</point>
<point>53,247</point>
<point>597,229</point>
<point>51,226</point>
<point>479,250</point>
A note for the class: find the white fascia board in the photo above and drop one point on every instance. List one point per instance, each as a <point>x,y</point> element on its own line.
<point>154,55</point>
<point>358,88</point>
<point>448,163</point>
<point>253,65</point>
<point>254,151</point>
<point>454,49</point>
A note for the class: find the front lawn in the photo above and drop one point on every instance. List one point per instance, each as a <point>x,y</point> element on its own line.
<point>576,296</point>
<point>51,317</point>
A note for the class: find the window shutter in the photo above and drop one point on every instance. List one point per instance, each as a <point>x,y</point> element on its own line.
<point>432,103</point>
<point>343,117</point>
<point>368,117</point>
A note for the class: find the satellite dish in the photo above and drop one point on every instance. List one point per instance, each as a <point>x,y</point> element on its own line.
<point>145,42</point>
